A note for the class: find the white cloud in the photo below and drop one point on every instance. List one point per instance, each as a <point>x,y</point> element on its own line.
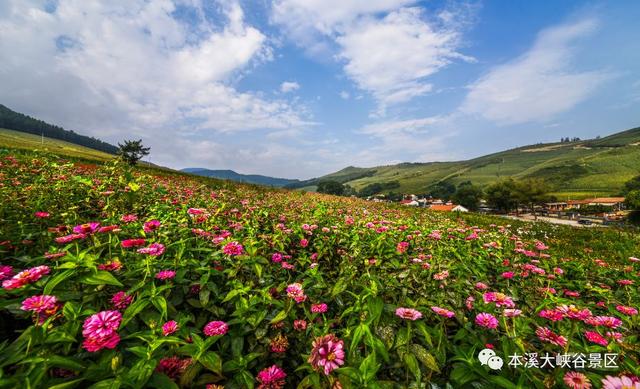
<point>289,86</point>
<point>396,127</point>
<point>345,95</point>
<point>388,49</point>
<point>539,84</point>
<point>130,67</point>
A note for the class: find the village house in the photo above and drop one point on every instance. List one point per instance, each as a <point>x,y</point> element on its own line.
<point>448,208</point>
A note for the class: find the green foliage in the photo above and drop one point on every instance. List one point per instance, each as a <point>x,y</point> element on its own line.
<point>632,200</point>
<point>631,185</point>
<point>331,187</point>
<point>468,195</point>
<point>377,188</point>
<point>131,151</point>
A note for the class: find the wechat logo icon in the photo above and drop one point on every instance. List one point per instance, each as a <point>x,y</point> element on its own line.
<point>488,357</point>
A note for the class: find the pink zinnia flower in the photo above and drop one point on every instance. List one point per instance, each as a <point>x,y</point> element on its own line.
<point>327,353</point>
<point>486,320</point>
<point>626,310</point>
<point>110,266</point>
<point>39,304</point>
<point>26,277</point>
<point>165,274</point>
<point>481,286</point>
<point>113,228</point>
<point>128,218</point>
<point>575,380</point>
<point>512,312</point>
<point>595,337</point>
<point>233,248</point>
<point>622,382</point>
<point>408,313</point>
<point>443,312</point>
<point>508,275</point>
<point>500,299</point>
<point>42,215</point>
<point>121,300</point>
<point>69,238</point>
<point>170,327</point>
<point>174,366</point>
<point>546,335</point>
<point>304,242</point>
<point>100,329</point>
<point>319,308</point>
<point>151,226</point>
<point>296,292</point>
<point>271,378</point>
<point>551,314</point>
<point>214,328</point>
<point>300,325</point>
<point>87,228</point>
<point>154,249</point>
<point>277,258</point>
<point>137,242</point>
<point>402,247</point>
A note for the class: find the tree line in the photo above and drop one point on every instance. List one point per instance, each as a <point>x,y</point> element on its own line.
<point>12,120</point>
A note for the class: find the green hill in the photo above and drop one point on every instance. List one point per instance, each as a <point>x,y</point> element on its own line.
<point>20,122</point>
<point>593,167</point>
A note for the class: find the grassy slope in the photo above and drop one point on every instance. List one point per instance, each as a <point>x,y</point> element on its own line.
<point>22,140</point>
<point>577,169</point>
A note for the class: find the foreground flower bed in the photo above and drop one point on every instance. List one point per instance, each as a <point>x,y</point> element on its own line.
<point>114,278</point>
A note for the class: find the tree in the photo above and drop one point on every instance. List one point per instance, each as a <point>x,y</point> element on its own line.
<point>502,195</point>
<point>533,191</point>
<point>632,200</point>
<point>443,190</point>
<point>468,195</point>
<point>631,185</point>
<point>132,151</point>
<point>331,187</point>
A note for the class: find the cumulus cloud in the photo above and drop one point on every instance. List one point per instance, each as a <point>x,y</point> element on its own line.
<point>289,86</point>
<point>116,68</point>
<point>388,48</point>
<point>539,84</point>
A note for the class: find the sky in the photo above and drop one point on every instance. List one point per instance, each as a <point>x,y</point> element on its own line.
<point>302,88</point>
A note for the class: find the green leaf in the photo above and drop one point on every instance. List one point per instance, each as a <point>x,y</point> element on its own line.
<point>133,310</point>
<point>423,356</point>
<point>161,381</point>
<point>279,317</point>
<point>212,361</point>
<point>369,367</point>
<point>375,306</point>
<point>161,304</point>
<point>359,332</point>
<point>67,385</point>
<point>101,278</point>
<point>412,363</point>
<point>55,280</point>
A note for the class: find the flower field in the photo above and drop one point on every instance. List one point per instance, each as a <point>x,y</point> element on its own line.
<point>122,278</point>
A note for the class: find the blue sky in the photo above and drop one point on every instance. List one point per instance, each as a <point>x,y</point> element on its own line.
<point>301,88</point>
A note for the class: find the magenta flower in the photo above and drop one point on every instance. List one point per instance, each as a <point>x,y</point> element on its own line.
<point>408,313</point>
<point>170,327</point>
<point>174,366</point>
<point>300,325</point>
<point>137,242</point>
<point>165,274</point>
<point>296,292</point>
<point>327,353</point>
<point>42,215</point>
<point>575,380</point>
<point>87,228</point>
<point>277,258</point>
<point>233,248</point>
<point>151,226</point>
<point>623,309</point>
<point>443,312</point>
<point>304,242</point>
<point>546,335</point>
<point>215,328</point>
<point>622,382</point>
<point>69,238</point>
<point>486,320</point>
<point>154,249</point>
<point>121,300</point>
<point>271,378</point>
<point>319,308</point>
<point>595,337</point>
<point>128,218</point>
<point>26,277</point>
<point>100,329</point>
<point>5,272</point>
<point>39,304</point>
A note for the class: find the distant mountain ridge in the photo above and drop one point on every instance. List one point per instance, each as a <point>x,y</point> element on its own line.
<point>576,168</point>
<point>247,178</point>
<point>16,121</point>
